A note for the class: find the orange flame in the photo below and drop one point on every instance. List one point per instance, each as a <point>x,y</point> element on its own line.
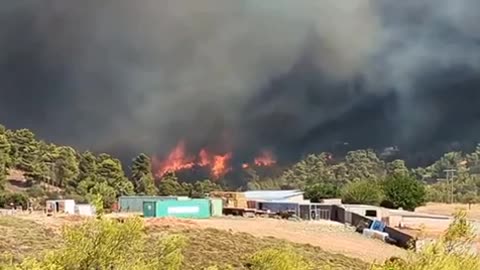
<point>220,165</point>
<point>177,160</point>
<point>266,158</point>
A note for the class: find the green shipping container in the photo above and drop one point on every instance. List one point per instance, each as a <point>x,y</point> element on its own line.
<point>216,205</point>
<point>195,208</point>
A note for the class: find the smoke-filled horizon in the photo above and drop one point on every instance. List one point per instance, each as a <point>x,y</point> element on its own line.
<point>241,75</point>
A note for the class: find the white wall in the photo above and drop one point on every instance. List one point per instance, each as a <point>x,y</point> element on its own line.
<point>85,210</point>
<point>69,207</point>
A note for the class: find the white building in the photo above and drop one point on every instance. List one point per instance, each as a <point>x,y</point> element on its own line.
<point>85,210</point>
<point>61,206</point>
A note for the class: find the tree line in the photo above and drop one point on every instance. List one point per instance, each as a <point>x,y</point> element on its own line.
<point>80,175</point>
<point>359,177</point>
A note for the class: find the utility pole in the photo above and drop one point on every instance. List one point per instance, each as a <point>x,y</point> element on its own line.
<point>450,176</point>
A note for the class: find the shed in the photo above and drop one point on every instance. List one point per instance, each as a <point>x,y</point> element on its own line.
<point>85,210</point>
<point>61,206</point>
<point>194,208</point>
<point>135,203</point>
<point>369,211</point>
<point>276,195</point>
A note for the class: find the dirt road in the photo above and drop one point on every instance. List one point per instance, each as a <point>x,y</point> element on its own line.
<point>330,236</point>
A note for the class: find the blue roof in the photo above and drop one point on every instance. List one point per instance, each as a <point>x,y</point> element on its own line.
<point>271,195</point>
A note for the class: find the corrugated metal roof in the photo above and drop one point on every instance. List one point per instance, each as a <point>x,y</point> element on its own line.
<point>271,194</point>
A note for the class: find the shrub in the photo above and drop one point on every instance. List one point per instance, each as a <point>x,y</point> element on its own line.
<point>403,191</point>
<point>109,244</point>
<point>448,253</point>
<point>17,199</point>
<point>279,259</point>
<point>362,192</point>
<point>322,190</point>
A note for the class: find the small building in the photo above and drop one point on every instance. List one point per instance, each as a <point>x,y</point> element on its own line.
<point>369,211</point>
<point>193,208</point>
<point>61,206</point>
<point>134,204</point>
<point>87,210</point>
<point>293,196</point>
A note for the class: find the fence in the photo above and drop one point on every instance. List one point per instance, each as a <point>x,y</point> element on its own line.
<point>346,217</point>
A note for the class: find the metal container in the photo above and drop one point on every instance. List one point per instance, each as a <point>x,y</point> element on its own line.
<point>149,209</point>
<point>195,208</point>
<point>216,207</point>
<point>134,204</point>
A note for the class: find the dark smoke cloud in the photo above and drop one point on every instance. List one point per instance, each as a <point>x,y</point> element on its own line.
<point>296,76</point>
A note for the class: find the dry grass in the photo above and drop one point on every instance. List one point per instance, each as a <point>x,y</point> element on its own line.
<point>25,238</point>
<point>206,247</point>
<point>449,209</point>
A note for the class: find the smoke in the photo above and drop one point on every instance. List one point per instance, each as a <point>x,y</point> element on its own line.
<point>290,75</point>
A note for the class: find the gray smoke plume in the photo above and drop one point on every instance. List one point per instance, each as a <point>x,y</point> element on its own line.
<point>237,75</point>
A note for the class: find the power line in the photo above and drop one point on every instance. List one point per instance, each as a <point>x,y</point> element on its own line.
<point>450,176</point>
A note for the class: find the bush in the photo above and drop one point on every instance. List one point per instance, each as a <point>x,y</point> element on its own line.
<point>279,259</point>
<point>362,192</point>
<point>17,199</point>
<point>109,244</point>
<point>323,190</point>
<point>403,191</point>
<point>36,191</point>
<point>440,255</point>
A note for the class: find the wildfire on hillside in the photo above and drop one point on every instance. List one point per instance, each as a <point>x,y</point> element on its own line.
<point>218,164</point>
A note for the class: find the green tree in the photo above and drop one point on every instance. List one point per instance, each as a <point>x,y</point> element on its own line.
<point>87,176</point>
<point>104,191</point>
<point>397,167</point>
<point>201,188</point>
<point>312,170</point>
<point>362,192</point>
<point>4,159</point>
<point>142,177</point>
<point>169,186</point>
<point>404,191</point>
<point>24,150</point>
<point>364,164</point>
<point>322,190</point>
<point>66,167</point>
<point>110,170</point>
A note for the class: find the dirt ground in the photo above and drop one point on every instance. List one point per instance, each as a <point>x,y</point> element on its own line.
<point>448,209</point>
<point>330,236</point>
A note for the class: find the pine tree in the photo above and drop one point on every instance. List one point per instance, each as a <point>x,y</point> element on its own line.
<point>4,156</point>
<point>110,170</point>
<point>66,167</point>
<point>142,177</point>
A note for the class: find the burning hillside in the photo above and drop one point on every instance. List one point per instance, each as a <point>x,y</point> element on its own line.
<point>217,164</point>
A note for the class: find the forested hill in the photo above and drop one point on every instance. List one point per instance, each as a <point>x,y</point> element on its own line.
<point>81,175</point>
